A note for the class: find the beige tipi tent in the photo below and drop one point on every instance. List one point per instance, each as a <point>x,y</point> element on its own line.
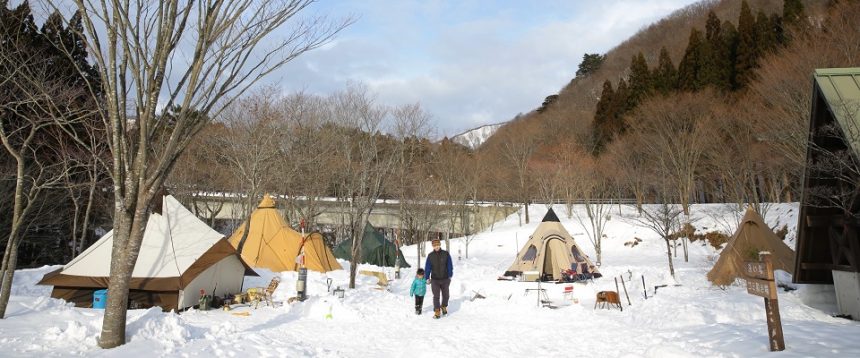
<point>751,237</point>
<point>549,251</point>
<point>273,245</point>
<point>179,256</point>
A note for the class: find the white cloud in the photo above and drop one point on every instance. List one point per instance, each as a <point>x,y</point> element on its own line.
<point>469,63</point>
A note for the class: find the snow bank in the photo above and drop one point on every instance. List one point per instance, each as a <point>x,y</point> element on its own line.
<point>683,316</point>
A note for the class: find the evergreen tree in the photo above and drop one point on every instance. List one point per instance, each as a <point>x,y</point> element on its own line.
<point>621,103</point>
<point>590,63</point>
<point>792,12</point>
<point>641,83</point>
<point>603,115</point>
<point>713,59</point>
<point>713,29</point>
<point>766,38</point>
<point>728,56</point>
<point>747,52</point>
<point>665,75</point>
<point>689,70</point>
<point>778,31</point>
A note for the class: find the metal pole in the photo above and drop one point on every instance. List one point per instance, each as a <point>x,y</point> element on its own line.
<point>625,291</point>
<point>643,287</point>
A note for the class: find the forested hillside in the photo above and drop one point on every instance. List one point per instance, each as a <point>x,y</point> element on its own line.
<point>710,104</point>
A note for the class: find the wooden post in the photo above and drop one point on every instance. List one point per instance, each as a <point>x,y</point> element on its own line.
<point>625,291</point>
<point>761,282</point>
<point>616,284</point>
<point>643,287</point>
<point>771,307</point>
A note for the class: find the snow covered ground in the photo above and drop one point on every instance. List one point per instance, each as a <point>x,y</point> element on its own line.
<point>692,319</point>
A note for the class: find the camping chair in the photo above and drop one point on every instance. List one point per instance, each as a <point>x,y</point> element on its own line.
<point>568,292</point>
<point>257,294</point>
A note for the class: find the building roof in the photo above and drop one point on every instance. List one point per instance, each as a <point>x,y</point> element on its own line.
<point>841,89</point>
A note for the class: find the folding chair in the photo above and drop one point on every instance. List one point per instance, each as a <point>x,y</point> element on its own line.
<point>258,294</point>
<point>568,292</point>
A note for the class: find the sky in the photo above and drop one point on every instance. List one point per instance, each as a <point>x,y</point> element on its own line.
<point>467,62</point>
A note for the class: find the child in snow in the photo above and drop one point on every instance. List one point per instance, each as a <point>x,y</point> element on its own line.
<point>419,289</point>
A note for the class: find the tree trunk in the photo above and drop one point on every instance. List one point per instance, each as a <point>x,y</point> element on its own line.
<point>669,255</point>
<point>357,238</point>
<point>686,251</point>
<point>10,255</point>
<point>526,204</point>
<point>353,264</point>
<point>9,274</point>
<point>87,213</point>
<point>128,234</point>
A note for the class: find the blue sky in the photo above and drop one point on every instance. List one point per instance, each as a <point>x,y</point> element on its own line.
<point>467,62</point>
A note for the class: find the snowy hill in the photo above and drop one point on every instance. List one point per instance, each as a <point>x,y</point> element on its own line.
<point>473,138</point>
<point>692,319</point>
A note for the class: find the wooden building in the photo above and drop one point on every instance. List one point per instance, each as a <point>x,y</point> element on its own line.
<point>828,234</point>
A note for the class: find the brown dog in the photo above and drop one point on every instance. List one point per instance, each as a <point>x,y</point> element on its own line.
<point>608,299</point>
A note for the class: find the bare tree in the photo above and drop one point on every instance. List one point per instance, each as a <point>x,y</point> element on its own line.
<point>674,137</point>
<point>663,219</point>
<point>421,214</point>
<point>36,112</point>
<point>519,143</point>
<point>411,126</point>
<point>366,161</point>
<point>305,147</point>
<point>549,179</point>
<point>249,146</point>
<point>633,171</point>
<point>193,58</point>
<point>83,183</point>
<point>472,170</point>
<point>201,179</point>
<point>594,190</point>
<point>451,170</point>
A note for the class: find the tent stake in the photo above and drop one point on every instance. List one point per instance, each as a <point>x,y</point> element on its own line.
<point>643,287</point>
<point>616,284</point>
<point>625,291</point>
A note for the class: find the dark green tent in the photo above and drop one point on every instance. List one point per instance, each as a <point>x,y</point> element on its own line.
<point>375,249</point>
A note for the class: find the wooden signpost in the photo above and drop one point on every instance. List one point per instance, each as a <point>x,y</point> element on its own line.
<point>760,282</point>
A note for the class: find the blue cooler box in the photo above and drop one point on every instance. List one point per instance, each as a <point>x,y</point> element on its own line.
<point>99,299</point>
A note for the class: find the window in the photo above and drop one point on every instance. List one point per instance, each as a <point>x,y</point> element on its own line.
<point>531,253</point>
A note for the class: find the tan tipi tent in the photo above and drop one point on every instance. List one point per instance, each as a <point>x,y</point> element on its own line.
<point>273,245</point>
<point>549,250</point>
<point>751,237</point>
<point>179,256</point>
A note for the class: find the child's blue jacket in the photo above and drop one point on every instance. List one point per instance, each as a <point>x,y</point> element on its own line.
<point>419,287</point>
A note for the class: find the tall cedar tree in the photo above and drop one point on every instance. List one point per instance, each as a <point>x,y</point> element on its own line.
<point>729,54</point>
<point>690,68</point>
<point>641,83</point>
<point>792,12</point>
<point>747,50</point>
<point>766,34</point>
<point>665,77</point>
<point>602,117</point>
<point>716,58</point>
<point>621,102</point>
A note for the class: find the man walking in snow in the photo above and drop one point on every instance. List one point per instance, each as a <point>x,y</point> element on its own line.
<point>438,270</point>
